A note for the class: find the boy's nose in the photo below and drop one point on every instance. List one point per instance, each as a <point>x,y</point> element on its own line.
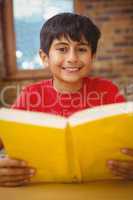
<point>72,57</point>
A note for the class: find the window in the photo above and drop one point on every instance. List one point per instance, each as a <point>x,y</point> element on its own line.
<point>21,24</point>
<point>28,22</point>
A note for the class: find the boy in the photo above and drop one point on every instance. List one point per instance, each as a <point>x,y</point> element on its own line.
<point>68,47</point>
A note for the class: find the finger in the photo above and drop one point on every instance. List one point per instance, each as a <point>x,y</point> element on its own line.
<point>4,179</point>
<point>18,183</point>
<point>123,175</point>
<point>115,167</point>
<point>16,171</point>
<point>10,162</point>
<point>122,172</point>
<point>117,173</point>
<point>1,144</point>
<point>127,151</point>
<point>127,164</point>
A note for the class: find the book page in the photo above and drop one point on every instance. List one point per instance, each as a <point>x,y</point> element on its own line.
<point>100,140</point>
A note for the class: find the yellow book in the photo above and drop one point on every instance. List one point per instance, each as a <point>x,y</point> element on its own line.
<point>73,149</point>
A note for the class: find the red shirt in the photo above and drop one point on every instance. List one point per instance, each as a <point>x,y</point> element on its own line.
<point>42,97</point>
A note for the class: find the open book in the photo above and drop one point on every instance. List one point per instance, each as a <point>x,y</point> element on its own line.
<point>70,149</point>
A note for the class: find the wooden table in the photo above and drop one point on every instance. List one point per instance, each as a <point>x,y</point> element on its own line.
<point>112,190</point>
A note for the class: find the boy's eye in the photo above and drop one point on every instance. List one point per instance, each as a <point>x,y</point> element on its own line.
<point>62,49</point>
<point>81,49</point>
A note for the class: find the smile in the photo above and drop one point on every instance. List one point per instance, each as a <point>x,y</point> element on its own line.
<point>71,69</point>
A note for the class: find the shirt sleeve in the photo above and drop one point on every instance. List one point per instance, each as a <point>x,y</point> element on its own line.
<point>113,94</point>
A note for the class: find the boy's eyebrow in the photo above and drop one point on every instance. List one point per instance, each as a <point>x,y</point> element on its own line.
<point>65,43</point>
<point>61,43</point>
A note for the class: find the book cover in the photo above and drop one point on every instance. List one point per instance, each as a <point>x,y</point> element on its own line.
<point>73,149</point>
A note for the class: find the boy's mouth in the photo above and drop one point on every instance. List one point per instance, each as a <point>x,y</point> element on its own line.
<point>71,69</point>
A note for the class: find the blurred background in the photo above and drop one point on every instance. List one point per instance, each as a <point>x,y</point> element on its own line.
<point>20,23</point>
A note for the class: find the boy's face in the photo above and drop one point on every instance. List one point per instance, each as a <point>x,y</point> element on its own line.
<point>69,60</point>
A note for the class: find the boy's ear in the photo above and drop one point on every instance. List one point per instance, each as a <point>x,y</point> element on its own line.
<point>44,57</point>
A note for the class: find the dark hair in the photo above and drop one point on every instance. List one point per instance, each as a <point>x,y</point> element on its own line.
<point>69,25</point>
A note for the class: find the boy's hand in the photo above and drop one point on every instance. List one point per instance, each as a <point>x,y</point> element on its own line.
<point>1,144</point>
<point>14,172</point>
<point>122,168</point>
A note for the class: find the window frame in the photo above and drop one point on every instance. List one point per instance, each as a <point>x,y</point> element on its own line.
<point>9,44</point>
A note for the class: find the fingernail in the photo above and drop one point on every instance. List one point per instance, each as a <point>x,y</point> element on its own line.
<point>32,171</point>
<point>124,150</point>
<point>111,162</point>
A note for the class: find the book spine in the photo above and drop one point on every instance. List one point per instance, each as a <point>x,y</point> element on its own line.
<point>73,165</point>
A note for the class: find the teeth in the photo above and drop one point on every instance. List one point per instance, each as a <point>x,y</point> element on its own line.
<point>71,69</point>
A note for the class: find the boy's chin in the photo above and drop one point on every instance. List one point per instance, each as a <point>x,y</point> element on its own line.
<point>72,79</point>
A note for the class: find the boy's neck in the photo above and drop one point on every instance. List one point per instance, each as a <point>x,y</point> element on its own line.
<point>66,87</point>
